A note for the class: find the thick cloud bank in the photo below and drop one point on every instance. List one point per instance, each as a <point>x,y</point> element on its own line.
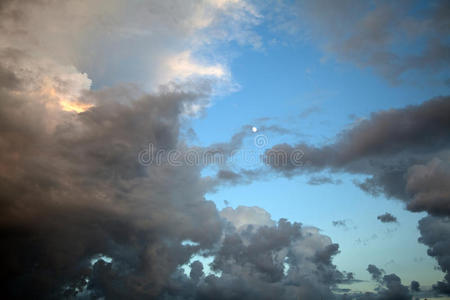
<point>404,152</point>
<point>72,188</point>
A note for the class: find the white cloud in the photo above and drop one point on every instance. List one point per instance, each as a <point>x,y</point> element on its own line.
<point>183,66</point>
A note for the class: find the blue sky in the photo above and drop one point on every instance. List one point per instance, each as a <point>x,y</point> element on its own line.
<point>286,79</point>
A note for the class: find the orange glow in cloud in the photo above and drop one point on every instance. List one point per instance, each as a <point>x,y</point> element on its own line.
<point>74,106</point>
<point>64,102</point>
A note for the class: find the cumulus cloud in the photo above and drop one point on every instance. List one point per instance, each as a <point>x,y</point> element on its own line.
<point>429,186</point>
<point>375,272</point>
<point>389,287</point>
<point>258,258</point>
<point>261,259</point>
<point>435,233</point>
<point>387,218</point>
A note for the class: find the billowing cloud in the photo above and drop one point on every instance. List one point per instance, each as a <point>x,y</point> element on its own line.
<point>243,216</point>
<point>429,186</point>
<point>261,259</point>
<point>415,286</point>
<point>435,233</point>
<point>375,272</point>
<point>389,287</point>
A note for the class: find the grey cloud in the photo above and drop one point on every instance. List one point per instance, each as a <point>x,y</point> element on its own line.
<point>262,259</point>
<point>346,224</point>
<point>429,186</point>
<point>387,218</point>
<point>389,286</point>
<point>375,272</point>
<point>435,233</point>
<point>196,270</point>
<point>71,188</point>
<point>394,289</point>
<point>342,223</point>
<point>227,175</point>
<point>415,286</point>
<point>404,152</point>
<point>366,34</point>
<point>319,180</point>
<point>252,260</point>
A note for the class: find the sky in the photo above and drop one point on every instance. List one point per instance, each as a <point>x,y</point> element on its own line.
<point>225,149</point>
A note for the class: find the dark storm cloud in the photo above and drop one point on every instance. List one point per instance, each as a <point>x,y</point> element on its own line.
<point>435,233</point>
<point>387,218</point>
<point>196,270</point>
<point>367,34</point>
<point>404,152</point>
<point>375,272</point>
<point>71,188</point>
<point>415,286</point>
